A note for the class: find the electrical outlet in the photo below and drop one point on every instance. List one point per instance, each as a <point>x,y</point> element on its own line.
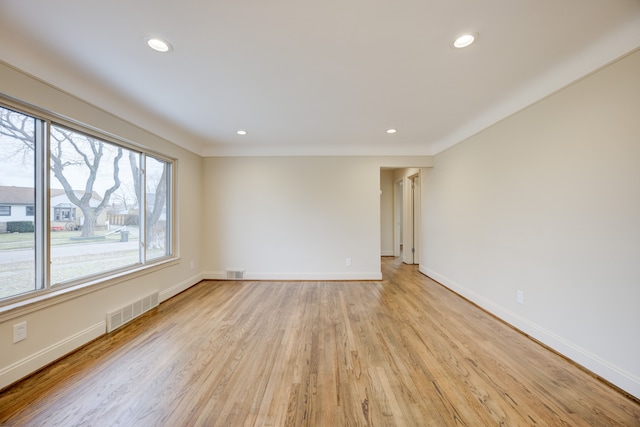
<point>348,262</point>
<point>520,296</point>
<point>19,332</point>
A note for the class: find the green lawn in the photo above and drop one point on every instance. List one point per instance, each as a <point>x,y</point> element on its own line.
<point>12,241</point>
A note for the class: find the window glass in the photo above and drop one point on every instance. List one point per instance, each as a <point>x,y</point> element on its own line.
<point>17,188</point>
<point>88,178</point>
<point>157,202</point>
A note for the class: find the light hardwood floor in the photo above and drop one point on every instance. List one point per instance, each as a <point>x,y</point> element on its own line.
<point>402,351</point>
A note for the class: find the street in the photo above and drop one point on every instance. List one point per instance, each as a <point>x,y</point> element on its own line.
<point>75,249</point>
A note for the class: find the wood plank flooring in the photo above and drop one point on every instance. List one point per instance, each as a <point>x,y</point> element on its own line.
<point>399,352</point>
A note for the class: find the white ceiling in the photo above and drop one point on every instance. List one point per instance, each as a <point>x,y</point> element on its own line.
<point>315,78</point>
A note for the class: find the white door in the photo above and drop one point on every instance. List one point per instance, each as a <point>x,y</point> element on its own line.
<point>397,217</point>
<point>411,248</point>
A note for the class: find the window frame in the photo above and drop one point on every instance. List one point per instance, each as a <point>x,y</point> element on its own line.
<point>5,208</point>
<point>45,292</point>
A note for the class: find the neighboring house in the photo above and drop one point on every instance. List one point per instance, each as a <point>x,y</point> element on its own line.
<point>17,204</point>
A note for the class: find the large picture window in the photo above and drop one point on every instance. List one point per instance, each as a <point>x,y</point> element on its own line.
<point>102,208</point>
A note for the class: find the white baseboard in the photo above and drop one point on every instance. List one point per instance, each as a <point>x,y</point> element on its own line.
<point>179,287</point>
<point>387,253</point>
<point>30,364</point>
<point>616,376</point>
<point>222,275</point>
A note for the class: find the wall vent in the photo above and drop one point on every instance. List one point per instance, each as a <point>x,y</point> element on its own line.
<point>119,317</point>
<point>235,274</point>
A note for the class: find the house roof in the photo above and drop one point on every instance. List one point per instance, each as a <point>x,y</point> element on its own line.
<point>26,196</point>
<point>17,195</point>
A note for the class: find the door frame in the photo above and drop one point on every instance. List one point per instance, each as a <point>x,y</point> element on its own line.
<point>415,204</point>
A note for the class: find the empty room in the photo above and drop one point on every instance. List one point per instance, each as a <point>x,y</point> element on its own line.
<point>332,214</point>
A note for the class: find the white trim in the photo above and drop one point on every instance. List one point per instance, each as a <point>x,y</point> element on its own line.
<point>39,300</point>
<point>612,47</point>
<point>620,378</point>
<point>30,364</point>
<point>222,275</point>
<point>180,287</point>
<point>387,253</point>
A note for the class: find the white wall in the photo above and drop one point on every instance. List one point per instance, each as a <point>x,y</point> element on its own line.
<point>57,326</point>
<point>548,202</point>
<point>294,217</point>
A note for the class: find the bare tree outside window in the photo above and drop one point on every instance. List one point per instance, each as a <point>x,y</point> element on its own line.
<point>157,215</point>
<point>68,151</point>
<point>156,199</point>
<point>83,157</point>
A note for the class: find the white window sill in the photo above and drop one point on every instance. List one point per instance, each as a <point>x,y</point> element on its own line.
<point>43,299</point>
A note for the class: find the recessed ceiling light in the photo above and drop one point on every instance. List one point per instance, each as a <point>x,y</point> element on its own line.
<point>242,132</point>
<point>158,44</point>
<point>391,131</point>
<point>464,40</point>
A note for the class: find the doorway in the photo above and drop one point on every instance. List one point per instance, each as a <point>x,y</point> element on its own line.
<point>400,215</point>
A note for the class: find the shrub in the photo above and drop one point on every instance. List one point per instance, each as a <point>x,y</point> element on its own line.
<point>20,227</point>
